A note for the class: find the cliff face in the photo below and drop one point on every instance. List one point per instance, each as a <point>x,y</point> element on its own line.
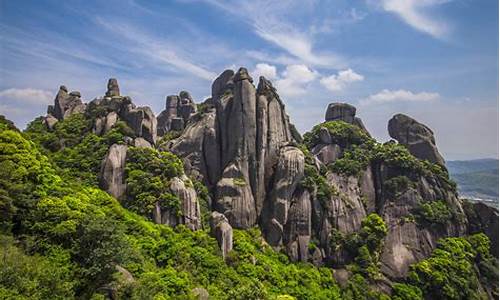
<point>310,199</point>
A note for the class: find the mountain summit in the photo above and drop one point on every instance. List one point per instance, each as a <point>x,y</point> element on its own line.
<point>373,214</point>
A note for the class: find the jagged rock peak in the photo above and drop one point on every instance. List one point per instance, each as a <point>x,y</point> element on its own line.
<point>222,83</point>
<point>242,74</point>
<point>113,88</point>
<point>416,136</point>
<point>266,88</point>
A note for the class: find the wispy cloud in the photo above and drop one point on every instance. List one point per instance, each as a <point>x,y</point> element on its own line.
<point>339,81</point>
<point>278,29</point>
<point>416,13</point>
<point>155,48</point>
<point>26,95</point>
<point>390,96</point>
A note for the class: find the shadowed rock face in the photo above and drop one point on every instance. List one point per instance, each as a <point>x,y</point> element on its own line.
<point>113,89</point>
<point>178,110</point>
<point>343,112</point>
<point>416,136</point>
<point>66,104</point>
<point>236,143</point>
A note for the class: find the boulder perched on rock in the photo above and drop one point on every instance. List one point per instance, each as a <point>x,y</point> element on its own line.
<point>416,136</point>
<point>178,110</point>
<point>343,112</point>
<point>66,104</point>
<point>113,88</point>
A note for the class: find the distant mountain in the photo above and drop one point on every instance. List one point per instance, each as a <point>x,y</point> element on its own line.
<point>476,178</point>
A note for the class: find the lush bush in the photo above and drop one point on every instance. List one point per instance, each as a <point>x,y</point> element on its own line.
<point>33,277</point>
<point>401,291</point>
<point>434,213</point>
<point>342,133</point>
<point>449,272</point>
<point>148,173</point>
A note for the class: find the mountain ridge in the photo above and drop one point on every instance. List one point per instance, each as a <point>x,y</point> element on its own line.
<point>371,214</point>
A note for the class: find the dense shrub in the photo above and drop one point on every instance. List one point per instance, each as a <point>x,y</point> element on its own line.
<point>148,173</point>
<point>434,213</point>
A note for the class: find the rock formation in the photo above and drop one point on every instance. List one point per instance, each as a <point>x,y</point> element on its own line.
<point>178,110</point>
<point>343,112</point>
<point>222,231</point>
<point>112,177</point>
<point>416,136</point>
<point>235,145</point>
<point>66,104</point>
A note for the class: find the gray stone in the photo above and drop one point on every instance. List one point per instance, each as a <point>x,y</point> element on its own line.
<point>324,136</point>
<point>222,231</point>
<point>221,83</point>
<point>141,143</point>
<point>340,111</point>
<point>113,88</point>
<point>143,122</point>
<point>50,121</point>
<point>112,178</point>
<point>416,136</point>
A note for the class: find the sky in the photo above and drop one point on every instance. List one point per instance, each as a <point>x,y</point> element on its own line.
<point>435,60</point>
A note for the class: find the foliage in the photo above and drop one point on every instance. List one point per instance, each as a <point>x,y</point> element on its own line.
<point>401,291</point>
<point>342,134</point>
<point>148,173</point>
<point>449,272</point>
<point>434,213</point>
<point>397,185</point>
<point>358,289</point>
<point>32,277</point>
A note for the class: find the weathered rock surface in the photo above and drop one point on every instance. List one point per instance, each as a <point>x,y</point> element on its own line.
<point>113,88</point>
<point>66,104</point>
<point>222,231</point>
<point>50,121</point>
<point>112,178</point>
<point>343,112</point>
<point>235,144</point>
<point>416,136</point>
<point>483,218</point>
<point>178,110</point>
<point>143,122</point>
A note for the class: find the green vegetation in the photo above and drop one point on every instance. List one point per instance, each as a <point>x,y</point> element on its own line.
<point>63,239</point>
<point>434,213</point>
<point>449,272</point>
<point>342,133</point>
<point>148,173</point>
<point>364,246</point>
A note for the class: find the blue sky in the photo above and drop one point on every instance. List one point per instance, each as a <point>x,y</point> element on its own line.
<point>436,60</point>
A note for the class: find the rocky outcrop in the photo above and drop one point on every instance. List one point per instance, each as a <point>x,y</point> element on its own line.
<point>113,88</point>
<point>189,213</point>
<point>112,177</point>
<point>143,123</point>
<point>178,110</point>
<point>235,144</point>
<point>222,231</point>
<point>66,104</point>
<point>343,112</point>
<point>483,218</point>
<point>416,136</point>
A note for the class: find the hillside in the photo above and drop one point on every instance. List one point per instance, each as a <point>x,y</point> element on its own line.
<point>224,199</point>
<point>477,179</point>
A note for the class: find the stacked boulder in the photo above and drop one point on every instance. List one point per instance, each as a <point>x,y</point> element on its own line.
<point>65,104</point>
<point>178,110</point>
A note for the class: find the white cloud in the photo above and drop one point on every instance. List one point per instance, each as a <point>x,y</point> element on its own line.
<point>294,80</point>
<point>387,96</point>
<point>266,70</point>
<point>156,49</point>
<point>27,95</point>
<point>278,28</point>
<point>339,81</point>
<point>415,14</point>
